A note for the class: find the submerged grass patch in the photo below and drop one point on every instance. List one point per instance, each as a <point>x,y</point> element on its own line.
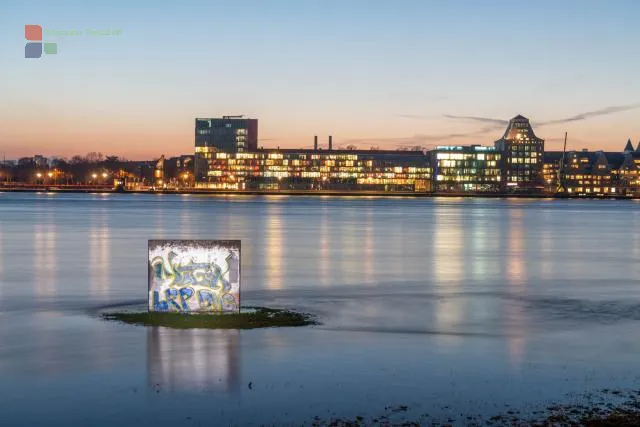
<point>258,317</point>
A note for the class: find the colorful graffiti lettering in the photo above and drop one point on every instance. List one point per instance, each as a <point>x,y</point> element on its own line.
<point>180,283</point>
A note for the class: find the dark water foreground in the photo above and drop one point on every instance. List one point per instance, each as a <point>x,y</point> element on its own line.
<point>447,307</point>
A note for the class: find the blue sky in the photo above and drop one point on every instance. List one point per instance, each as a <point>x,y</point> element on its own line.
<point>385,73</point>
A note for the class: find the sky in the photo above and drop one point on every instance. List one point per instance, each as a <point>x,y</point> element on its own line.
<point>390,74</point>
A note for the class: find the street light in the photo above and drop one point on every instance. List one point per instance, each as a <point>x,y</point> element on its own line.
<point>50,174</point>
<point>39,175</point>
<point>94,176</point>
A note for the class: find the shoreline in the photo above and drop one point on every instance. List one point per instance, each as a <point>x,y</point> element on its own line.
<point>317,193</point>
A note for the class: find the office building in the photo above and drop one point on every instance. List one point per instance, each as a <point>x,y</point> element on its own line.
<point>307,169</point>
<point>229,134</point>
<point>523,156</point>
<point>466,169</point>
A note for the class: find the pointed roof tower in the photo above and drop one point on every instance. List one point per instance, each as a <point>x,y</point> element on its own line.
<point>638,149</point>
<point>629,147</point>
<point>519,126</point>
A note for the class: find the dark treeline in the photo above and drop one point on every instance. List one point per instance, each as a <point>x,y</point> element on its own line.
<point>92,168</point>
<point>96,169</point>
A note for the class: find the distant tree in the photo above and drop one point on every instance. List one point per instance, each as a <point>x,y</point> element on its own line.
<point>59,162</point>
<point>77,160</point>
<point>25,161</point>
<point>94,157</point>
<point>352,147</point>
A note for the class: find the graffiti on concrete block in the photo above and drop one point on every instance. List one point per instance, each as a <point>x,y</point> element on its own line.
<point>194,275</point>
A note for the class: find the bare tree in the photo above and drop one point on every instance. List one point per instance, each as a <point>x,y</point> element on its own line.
<point>94,157</point>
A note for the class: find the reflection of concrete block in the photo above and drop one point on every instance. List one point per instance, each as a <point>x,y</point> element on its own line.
<point>193,359</point>
<point>194,275</point>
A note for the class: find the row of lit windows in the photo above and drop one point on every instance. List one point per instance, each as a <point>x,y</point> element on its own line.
<point>463,163</point>
<point>315,174</point>
<point>522,160</point>
<point>233,167</point>
<point>469,171</point>
<point>306,164</point>
<point>233,164</point>
<point>374,181</point>
<point>466,156</point>
<point>592,190</point>
<point>462,178</point>
<point>519,179</point>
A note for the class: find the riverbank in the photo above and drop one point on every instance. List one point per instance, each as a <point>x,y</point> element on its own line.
<point>332,193</point>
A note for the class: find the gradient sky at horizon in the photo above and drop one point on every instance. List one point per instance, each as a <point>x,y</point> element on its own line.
<point>370,73</point>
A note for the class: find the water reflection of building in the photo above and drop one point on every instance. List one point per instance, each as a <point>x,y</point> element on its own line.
<point>325,250</point>
<point>1,260</point>
<point>274,255</point>
<point>45,258</point>
<point>516,278</point>
<point>368,253</point>
<point>447,268</point>
<point>194,359</point>
<point>99,250</point>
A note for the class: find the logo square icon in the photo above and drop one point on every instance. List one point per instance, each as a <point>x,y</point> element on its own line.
<point>50,48</point>
<point>33,32</point>
<point>33,50</point>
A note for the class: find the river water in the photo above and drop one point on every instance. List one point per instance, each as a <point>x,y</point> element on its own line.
<point>447,306</point>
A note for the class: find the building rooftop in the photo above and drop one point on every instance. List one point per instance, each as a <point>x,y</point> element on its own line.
<point>358,152</point>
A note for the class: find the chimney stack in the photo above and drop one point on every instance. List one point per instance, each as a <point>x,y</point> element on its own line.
<point>315,143</point>
<point>330,142</point>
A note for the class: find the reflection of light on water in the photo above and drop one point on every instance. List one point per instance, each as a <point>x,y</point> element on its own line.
<point>193,359</point>
<point>545,254</point>
<point>274,247</point>
<point>515,258</point>
<point>636,237</point>
<point>1,258</point>
<point>99,254</point>
<point>158,230</point>
<point>516,281</point>
<point>368,247</point>
<point>447,268</point>
<point>480,244</point>
<point>45,258</point>
<point>324,247</point>
<point>350,246</point>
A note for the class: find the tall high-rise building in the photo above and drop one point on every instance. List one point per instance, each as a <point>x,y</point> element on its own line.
<point>522,155</point>
<point>229,134</point>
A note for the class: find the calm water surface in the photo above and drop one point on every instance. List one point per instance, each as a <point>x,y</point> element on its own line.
<point>448,306</point>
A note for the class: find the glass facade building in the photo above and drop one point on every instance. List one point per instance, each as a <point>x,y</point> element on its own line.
<point>229,134</point>
<point>466,169</point>
<point>319,170</point>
